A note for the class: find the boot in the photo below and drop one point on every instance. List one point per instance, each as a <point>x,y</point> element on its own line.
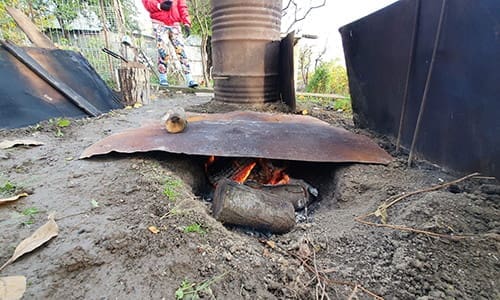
<point>190,81</point>
<point>163,79</point>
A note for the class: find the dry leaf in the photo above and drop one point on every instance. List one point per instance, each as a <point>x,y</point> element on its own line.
<point>304,251</point>
<point>266,253</point>
<point>153,229</point>
<point>271,244</point>
<point>9,144</point>
<point>14,198</point>
<point>38,238</point>
<point>12,287</point>
<point>382,213</point>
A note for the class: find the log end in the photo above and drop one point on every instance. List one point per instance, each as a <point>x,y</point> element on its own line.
<point>242,205</point>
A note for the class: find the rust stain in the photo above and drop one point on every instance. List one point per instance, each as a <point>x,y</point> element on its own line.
<point>249,134</point>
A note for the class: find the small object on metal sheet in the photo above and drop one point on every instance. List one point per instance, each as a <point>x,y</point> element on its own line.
<point>175,120</point>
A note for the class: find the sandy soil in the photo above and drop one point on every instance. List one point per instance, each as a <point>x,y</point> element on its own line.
<point>105,205</point>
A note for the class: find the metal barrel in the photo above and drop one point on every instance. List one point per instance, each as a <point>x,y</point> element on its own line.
<point>245,50</point>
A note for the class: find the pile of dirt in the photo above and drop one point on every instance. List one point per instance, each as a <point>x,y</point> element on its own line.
<point>106,207</point>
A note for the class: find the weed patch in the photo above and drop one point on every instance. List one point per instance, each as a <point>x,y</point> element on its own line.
<point>30,213</point>
<point>195,227</point>
<point>189,290</point>
<point>171,188</point>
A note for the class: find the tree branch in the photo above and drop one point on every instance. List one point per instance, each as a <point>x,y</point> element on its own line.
<point>298,19</point>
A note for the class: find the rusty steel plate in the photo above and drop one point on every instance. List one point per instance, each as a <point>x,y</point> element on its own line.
<point>249,134</point>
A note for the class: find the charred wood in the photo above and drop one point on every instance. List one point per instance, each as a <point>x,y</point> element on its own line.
<point>296,191</point>
<point>238,204</point>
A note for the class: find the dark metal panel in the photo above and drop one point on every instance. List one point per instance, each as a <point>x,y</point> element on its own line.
<point>287,81</point>
<point>376,50</point>
<point>460,124</point>
<point>249,134</point>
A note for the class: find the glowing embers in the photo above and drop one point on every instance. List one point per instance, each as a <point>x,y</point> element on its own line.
<point>243,170</point>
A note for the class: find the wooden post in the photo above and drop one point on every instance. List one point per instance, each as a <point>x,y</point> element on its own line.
<point>239,204</point>
<point>134,83</point>
<point>34,35</point>
<point>106,39</point>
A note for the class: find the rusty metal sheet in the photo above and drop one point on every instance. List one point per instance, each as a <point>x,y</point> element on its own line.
<point>249,134</point>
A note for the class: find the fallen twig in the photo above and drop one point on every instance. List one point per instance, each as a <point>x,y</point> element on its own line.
<point>431,189</point>
<point>353,293</point>
<point>410,229</point>
<point>321,276</point>
<point>381,211</point>
<point>320,284</point>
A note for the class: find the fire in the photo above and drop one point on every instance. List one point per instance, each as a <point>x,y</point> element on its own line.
<point>242,175</point>
<point>209,162</point>
<point>259,170</point>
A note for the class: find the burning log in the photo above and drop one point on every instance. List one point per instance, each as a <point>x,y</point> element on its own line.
<point>238,204</point>
<point>296,191</point>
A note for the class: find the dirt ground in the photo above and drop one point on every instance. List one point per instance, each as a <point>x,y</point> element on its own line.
<point>105,205</point>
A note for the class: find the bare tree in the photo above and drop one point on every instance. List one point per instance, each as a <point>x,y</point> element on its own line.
<point>296,11</point>
<point>304,63</point>
<point>319,58</point>
<point>202,25</point>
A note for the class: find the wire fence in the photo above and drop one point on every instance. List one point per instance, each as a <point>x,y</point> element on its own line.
<point>88,26</point>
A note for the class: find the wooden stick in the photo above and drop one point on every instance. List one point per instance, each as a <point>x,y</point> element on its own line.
<point>317,95</point>
<point>353,293</point>
<point>324,278</point>
<point>410,229</point>
<point>34,35</point>
<point>434,188</point>
<point>362,219</point>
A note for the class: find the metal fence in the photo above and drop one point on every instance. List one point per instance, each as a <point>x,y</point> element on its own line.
<point>88,26</point>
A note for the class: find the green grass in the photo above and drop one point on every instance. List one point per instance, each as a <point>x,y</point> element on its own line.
<point>193,291</point>
<point>8,188</point>
<point>30,213</point>
<point>195,227</point>
<point>337,104</point>
<point>171,188</point>
<point>58,124</point>
<point>343,104</point>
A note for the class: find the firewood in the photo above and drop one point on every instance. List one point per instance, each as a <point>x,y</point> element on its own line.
<point>134,84</point>
<point>175,120</point>
<point>296,191</point>
<point>238,204</point>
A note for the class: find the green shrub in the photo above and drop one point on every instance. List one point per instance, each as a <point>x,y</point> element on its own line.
<point>329,78</point>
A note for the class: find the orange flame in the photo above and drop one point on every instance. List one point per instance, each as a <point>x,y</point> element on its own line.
<point>209,162</point>
<point>259,170</point>
<point>241,176</point>
<point>279,177</point>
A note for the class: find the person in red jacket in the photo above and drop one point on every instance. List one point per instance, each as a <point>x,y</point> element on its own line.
<point>168,16</point>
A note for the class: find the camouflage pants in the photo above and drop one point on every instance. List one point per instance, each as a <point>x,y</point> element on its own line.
<point>170,34</point>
